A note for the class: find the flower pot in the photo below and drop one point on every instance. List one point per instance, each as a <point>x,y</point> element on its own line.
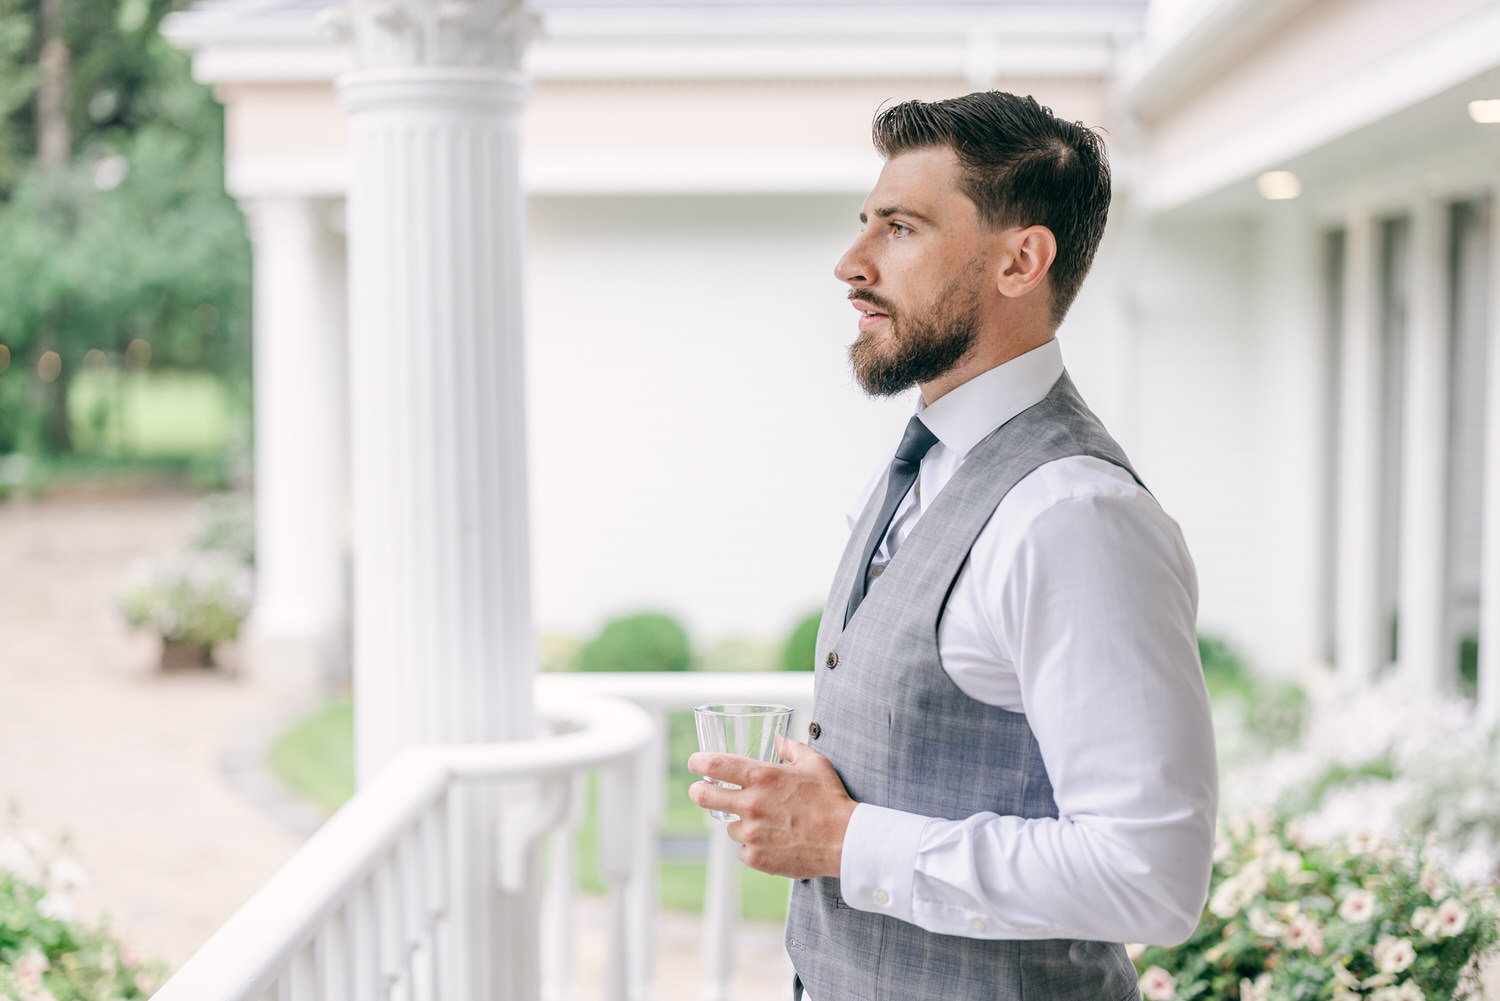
<point>179,656</point>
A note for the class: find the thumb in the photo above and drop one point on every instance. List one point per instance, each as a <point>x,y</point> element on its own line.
<point>794,752</point>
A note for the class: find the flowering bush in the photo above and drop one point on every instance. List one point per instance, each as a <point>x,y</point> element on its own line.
<point>1289,920</point>
<point>198,599</point>
<point>226,523</point>
<point>45,955</point>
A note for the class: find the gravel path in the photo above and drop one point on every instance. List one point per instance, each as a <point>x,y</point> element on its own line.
<point>153,776</point>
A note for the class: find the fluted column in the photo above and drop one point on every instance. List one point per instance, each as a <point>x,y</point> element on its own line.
<point>295,636</point>
<point>1360,653</point>
<point>1489,575</point>
<point>1424,653</point>
<point>443,644</point>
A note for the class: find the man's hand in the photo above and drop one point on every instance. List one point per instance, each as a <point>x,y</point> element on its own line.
<point>792,816</point>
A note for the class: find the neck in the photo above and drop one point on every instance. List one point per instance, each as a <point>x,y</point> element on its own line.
<point>987,353</point>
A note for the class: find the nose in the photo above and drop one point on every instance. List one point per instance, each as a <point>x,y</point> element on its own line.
<point>855,267</point>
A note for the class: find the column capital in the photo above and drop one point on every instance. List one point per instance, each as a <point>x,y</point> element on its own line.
<point>437,34</point>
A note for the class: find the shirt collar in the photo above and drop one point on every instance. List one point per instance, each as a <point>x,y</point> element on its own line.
<point>963,416</point>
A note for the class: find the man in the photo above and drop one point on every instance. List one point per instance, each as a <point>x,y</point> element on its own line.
<point>1011,766</point>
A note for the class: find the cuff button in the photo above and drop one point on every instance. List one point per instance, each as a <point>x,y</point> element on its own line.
<point>976,925</point>
<point>882,898</point>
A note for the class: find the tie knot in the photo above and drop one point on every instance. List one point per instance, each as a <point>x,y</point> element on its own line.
<point>916,442</point>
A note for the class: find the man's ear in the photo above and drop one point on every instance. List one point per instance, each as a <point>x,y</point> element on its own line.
<point>1026,257</point>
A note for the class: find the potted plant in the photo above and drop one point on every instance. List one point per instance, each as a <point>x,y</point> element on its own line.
<point>193,602</point>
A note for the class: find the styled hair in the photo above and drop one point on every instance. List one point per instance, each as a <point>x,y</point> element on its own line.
<point>1020,166</point>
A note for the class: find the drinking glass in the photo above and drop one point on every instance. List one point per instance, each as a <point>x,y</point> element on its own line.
<point>745,729</point>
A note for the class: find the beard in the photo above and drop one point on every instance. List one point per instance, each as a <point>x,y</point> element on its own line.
<point>919,346</point>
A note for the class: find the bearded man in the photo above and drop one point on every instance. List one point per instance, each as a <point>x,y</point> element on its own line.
<point>1010,769</point>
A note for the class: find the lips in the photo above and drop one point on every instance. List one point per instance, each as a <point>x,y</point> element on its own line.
<point>871,316</point>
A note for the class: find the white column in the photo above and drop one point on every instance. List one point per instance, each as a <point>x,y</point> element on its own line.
<point>443,644</point>
<point>1423,651</point>
<point>1360,651</point>
<point>1489,576</point>
<point>294,639</point>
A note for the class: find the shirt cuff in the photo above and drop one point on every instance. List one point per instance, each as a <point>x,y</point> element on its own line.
<point>879,860</point>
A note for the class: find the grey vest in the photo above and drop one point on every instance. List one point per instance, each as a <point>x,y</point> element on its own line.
<point>902,735</point>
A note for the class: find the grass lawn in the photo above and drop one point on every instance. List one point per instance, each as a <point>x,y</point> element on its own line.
<point>315,758</point>
<point>153,413</point>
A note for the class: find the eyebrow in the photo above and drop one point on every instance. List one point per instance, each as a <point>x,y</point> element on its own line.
<point>886,213</point>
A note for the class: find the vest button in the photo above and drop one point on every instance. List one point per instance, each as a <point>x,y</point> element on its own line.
<point>832,661</point>
<point>814,730</point>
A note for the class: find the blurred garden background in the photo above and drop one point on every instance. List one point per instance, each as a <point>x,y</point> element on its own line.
<point>1301,280</point>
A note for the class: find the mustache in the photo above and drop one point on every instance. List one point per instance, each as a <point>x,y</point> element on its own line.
<point>874,300</point>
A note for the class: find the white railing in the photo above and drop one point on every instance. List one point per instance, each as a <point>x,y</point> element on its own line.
<point>367,909</point>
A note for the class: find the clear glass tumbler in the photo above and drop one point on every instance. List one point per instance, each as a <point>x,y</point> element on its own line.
<point>744,729</point>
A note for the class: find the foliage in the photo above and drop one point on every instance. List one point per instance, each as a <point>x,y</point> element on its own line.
<point>1252,715</point>
<point>801,650</point>
<point>197,599</point>
<point>226,523</point>
<point>132,239</point>
<point>1292,920</point>
<point>644,642</point>
<point>47,955</point>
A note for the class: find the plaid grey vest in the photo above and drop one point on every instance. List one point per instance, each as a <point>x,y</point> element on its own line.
<point>902,735</point>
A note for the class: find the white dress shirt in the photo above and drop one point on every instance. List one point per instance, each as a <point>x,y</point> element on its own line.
<point>1077,607</point>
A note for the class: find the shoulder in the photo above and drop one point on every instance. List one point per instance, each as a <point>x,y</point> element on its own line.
<point>1078,507</point>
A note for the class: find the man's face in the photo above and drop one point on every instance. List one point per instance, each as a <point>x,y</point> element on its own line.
<point>917,273</point>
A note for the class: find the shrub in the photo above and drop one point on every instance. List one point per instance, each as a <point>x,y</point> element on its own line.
<point>1356,918</point>
<point>45,954</point>
<point>801,650</point>
<point>198,600</point>
<point>226,523</point>
<point>644,642</point>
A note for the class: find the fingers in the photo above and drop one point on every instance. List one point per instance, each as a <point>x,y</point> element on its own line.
<point>724,767</point>
<point>794,751</point>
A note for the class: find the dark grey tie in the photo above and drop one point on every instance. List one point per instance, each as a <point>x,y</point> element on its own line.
<point>914,444</point>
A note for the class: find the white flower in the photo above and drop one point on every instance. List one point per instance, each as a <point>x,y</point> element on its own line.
<point>1262,924</point>
<point>1392,955</point>
<point>29,969</point>
<point>1305,934</point>
<point>55,906</point>
<point>1358,906</point>
<point>1258,989</point>
<point>1237,891</point>
<point>1221,847</point>
<point>33,840</point>
<point>15,856</point>
<point>66,874</point>
<point>1344,977</point>
<point>1432,879</point>
<point>1423,920</point>
<point>1363,842</point>
<point>1157,984</point>
<point>1451,918</point>
<point>1401,992</point>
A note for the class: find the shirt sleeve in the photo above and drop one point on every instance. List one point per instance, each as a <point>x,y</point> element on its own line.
<point>1095,607</point>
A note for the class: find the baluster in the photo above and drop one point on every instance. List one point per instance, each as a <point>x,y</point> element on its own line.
<point>332,950</point>
<point>617,832</point>
<point>364,943</point>
<point>557,898</point>
<point>414,913</point>
<point>721,908</point>
<point>645,890</point>
<point>435,879</point>
<point>389,921</point>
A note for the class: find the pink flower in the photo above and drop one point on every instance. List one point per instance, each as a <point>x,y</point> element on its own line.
<point>1305,934</point>
<point>1451,918</point>
<point>1358,906</point>
<point>1392,955</point>
<point>1157,984</point>
<point>29,969</point>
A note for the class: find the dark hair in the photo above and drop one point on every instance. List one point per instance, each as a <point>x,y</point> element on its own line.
<point>1021,166</point>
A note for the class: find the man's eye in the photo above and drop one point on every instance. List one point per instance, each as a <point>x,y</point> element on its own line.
<point>899,229</point>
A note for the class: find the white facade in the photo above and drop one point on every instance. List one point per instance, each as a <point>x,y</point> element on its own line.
<point>1292,378</point>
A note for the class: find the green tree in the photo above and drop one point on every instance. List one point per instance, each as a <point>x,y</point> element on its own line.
<point>645,642</point>
<point>119,229</point>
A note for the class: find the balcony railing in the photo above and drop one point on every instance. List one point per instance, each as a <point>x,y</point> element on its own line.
<point>367,908</point>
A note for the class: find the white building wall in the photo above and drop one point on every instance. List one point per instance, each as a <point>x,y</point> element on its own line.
<point>696,436</point>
